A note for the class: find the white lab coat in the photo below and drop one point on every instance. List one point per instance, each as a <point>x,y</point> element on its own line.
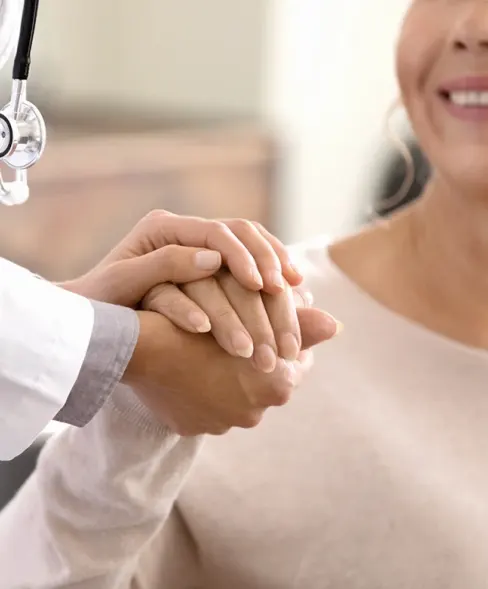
<point>44,336</point>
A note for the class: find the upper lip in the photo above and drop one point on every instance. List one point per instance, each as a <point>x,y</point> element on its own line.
<point>466,83</point>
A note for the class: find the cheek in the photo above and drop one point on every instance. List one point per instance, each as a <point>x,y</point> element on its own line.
<point>419,45</point>
<point>410,60</point>
<point>416,55</point>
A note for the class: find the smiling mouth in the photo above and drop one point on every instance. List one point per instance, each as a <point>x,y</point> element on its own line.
<point>466,98</point>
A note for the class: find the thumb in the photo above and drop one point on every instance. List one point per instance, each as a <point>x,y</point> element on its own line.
<point>134,277</point>
<point>316,326</point>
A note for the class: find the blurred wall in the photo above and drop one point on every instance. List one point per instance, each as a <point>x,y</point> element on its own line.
<point>328,82</point>
<point>319,72</point>
<point>201,59</point>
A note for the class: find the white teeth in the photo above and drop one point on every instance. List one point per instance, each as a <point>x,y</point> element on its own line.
<point>462,98</point>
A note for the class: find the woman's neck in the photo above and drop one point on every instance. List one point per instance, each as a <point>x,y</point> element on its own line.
<point>428,263</point>
<point>447,244</point>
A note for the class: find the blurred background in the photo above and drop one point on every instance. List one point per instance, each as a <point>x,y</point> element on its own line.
<point>271,110</point>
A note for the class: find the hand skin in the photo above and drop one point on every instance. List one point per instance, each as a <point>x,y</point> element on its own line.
<point>194,387</point>
<point>152,254</point>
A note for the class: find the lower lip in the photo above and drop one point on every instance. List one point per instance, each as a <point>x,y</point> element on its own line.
<point>466,113</point>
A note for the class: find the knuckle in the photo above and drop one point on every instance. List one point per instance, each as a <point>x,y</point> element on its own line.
<point>241,226</point>
<point>155,297</point>
<point>218,430</point>
<point>218,227</point>
<point>250,420</point>
<point>158,292</point>
<point>224,313</point>
<point>280,395</point>
<point>166,300</point>
<point>281,398</point>
<point>170,251</point>
<point>156,215</point>
<point>202,286</point>
<point>164,305</point>
<point>169,258</point>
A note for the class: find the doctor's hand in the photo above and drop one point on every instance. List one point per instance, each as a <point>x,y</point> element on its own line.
<point>254,257</point>
<point>193,386</point>
<point>152,253</point>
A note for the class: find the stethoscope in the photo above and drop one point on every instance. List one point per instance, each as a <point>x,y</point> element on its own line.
<point>22,127</point>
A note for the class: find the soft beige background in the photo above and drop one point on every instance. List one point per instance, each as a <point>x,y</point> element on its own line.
<point>320,72</point>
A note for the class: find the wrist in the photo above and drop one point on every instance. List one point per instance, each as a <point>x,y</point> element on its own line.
<point>153,348</point>
<point>74,286</point>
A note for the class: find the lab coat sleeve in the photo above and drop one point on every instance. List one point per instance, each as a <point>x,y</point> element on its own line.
<point>114,337</point>
<point>44,336</point>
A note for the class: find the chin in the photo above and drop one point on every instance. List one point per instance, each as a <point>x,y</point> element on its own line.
<point>469,180</point>
<point>464,170</point>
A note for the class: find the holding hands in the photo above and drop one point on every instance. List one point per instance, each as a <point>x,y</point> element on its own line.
<point>231,280</point>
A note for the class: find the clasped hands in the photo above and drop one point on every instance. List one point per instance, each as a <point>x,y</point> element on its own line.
<point>225,330</point>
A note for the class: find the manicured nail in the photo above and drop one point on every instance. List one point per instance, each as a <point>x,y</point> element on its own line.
<point>337,326</point>
<point>256,276</point>
<point>208,260</point>
<point>288,346</point>
<point>199,321</point>
<point>265,358</point>
<point>242,344</point>
<point>276,278</point>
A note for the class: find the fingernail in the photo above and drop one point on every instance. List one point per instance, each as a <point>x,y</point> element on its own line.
<point>199,321</point>
<point>208,260</point>
<point>242,344</point>
<point>337,326</point>
<point>276,278</point>
<point>288,346</point>
<point>256,276</point>
<point>265,358</point>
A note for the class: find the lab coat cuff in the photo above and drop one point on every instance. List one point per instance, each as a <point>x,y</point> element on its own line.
<point>114,337</point>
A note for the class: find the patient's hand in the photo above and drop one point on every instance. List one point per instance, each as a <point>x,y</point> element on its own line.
<point>193,386</point>
<point>243,322</point>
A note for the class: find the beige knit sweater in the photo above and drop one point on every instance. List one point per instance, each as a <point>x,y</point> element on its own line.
<point>375,476</point>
